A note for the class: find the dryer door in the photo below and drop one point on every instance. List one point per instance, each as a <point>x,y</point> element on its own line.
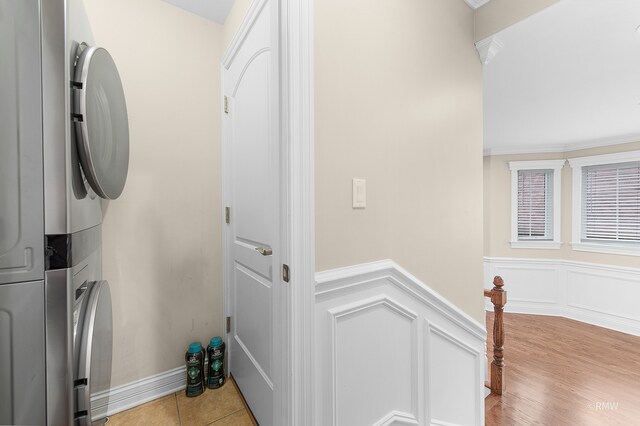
<point>93,374</point>
<point>101,122</point>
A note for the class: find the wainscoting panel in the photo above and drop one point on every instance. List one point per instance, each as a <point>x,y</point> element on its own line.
<point>391,351</point>
<point>453,366</point>
<point>602,295</point>
<point>545,283</point>
<point>374,357</point>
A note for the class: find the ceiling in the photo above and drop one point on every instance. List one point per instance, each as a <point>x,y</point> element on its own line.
<point>214,10</point>
<point>565,78</point>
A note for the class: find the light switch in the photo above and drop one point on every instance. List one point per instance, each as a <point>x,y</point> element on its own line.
<point>359,193</point>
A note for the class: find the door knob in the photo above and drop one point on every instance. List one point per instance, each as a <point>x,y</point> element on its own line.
<point>264,251</point>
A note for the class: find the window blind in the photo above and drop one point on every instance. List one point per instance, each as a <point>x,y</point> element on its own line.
<point>611,202</point>
<point>535,204</point>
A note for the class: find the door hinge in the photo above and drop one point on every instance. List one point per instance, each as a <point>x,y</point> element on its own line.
<point>228,324</point>
<point>285,273</point>
<point>226,105</point>
<point>227,214</point>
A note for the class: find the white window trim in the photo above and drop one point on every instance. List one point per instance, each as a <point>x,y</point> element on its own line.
<point>556,166</point>
<point>576,202</point>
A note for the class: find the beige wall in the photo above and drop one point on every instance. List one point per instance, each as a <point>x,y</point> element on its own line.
<point>162,238</point>
<point>398,89</point>
<point>392,87</point>
<point>497,223</point>
<point>499,14</point>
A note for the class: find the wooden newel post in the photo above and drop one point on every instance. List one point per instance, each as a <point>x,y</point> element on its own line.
<point>499,299</point>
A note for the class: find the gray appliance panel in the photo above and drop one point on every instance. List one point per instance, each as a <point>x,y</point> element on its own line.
<point>22,343</point>
<point>21,193</point>
<point>69,204</point>
<point>59,306</point>
<point>63,295</point>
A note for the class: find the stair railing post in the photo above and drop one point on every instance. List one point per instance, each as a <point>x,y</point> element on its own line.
<point>499,299</point>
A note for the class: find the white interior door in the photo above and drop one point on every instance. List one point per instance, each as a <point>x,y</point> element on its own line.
<point>251,145</point>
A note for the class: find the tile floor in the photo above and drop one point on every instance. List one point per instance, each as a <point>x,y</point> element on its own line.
<point>216,407</point>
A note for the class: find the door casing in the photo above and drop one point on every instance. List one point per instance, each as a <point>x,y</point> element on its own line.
<point>292,48</point>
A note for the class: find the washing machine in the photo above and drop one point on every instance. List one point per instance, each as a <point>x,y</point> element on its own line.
<point>75,267</point>
<point>92,339</point>
<point>64,153</point>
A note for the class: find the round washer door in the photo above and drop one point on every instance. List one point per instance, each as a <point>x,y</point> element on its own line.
<point>101,121</point>
<point>95,351</point>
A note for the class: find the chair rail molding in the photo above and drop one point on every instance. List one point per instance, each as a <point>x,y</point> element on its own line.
<point>390,350</point>
<point>602,295</point>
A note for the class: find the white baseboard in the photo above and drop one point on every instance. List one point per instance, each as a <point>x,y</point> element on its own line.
<point>390,350</point>
<point>601,295</point>
<point>136,393</point>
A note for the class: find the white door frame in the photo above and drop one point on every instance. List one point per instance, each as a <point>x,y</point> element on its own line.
<point>295,53</point>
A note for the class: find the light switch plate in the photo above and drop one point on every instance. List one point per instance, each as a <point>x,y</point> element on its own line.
<point>359,193</point>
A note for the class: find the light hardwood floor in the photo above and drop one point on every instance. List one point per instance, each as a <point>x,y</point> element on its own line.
<point>564,372</point>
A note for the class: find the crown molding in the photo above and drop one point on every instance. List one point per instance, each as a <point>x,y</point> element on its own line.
<point>474,4</point>
<point>537,164</point>
<point>489,48</point>
<point>568,147</point>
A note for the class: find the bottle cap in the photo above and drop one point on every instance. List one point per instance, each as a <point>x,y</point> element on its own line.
<point>195,347</point>
<point>216,341</point>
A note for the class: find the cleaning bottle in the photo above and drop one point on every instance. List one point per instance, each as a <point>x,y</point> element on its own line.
<point>195,369</point>
<point>216,363</point>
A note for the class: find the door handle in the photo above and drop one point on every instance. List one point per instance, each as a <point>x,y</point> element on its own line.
<point>265,251</point>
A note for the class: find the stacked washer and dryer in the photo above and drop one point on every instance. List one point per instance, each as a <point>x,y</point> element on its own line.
<point>64,147</point>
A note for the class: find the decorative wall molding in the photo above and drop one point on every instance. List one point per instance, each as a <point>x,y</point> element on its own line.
<point>377,323</point>
<point>489,48</point>
<point>393,311</point>
<point>453,360</point>
<point>474,4</point>
<point>562,147</point>
<point>342,279</point>
<point>139,392</point>
<point>601,295</point>
<point>397,418</point>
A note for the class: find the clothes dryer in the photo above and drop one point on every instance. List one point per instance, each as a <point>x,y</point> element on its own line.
<point>85,122</point>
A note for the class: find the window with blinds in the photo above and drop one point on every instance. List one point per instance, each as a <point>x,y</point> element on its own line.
<point>535,205</point>
<point>611,203</point>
